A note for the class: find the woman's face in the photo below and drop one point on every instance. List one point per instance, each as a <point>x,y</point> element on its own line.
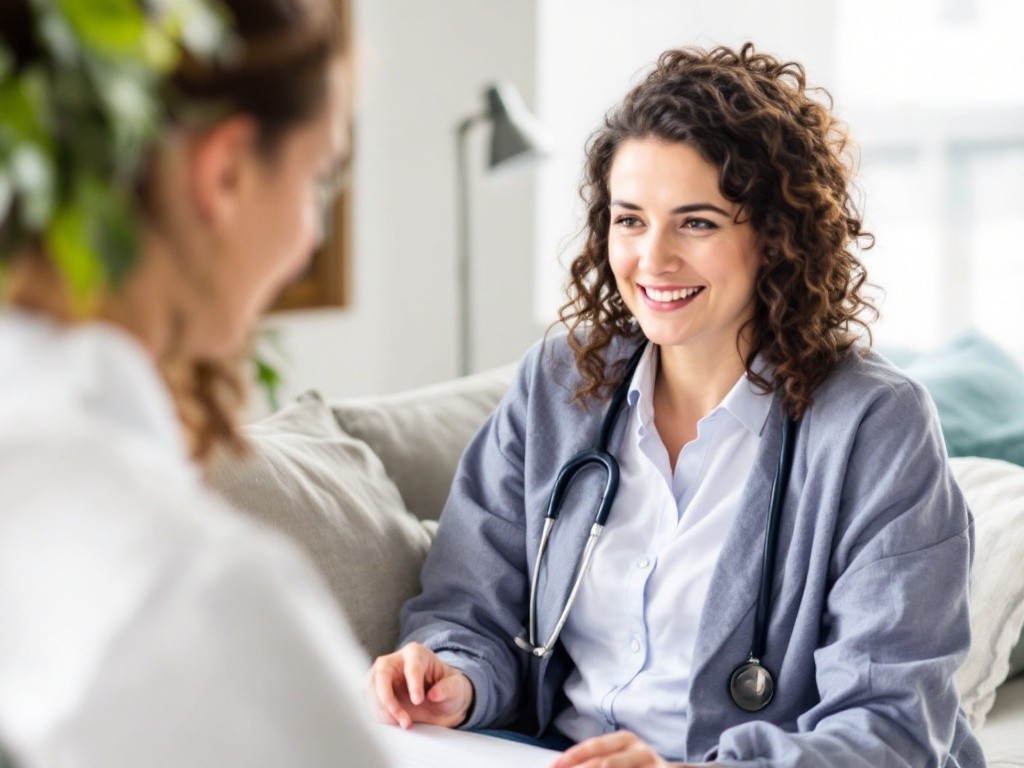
<point>683,265</point>
<point>274,226</point>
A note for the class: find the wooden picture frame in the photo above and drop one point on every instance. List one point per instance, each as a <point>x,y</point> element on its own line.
<point>326,281</point>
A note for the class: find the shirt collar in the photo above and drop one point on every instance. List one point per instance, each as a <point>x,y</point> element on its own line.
<point>641,388</point>
<point>747,404</point>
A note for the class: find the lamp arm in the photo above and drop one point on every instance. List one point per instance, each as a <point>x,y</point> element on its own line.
<point>469,122</point>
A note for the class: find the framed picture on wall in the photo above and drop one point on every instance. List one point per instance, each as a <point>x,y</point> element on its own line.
<point>326,281</point>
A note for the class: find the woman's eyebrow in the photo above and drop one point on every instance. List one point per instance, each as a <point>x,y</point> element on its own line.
<point>690,208</point>
<point>701,207</point>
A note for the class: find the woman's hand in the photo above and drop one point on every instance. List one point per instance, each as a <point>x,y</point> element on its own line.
<point>621,749</point>
<point>412,685</point>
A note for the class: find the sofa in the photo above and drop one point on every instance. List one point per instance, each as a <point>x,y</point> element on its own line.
<point>360,485</point>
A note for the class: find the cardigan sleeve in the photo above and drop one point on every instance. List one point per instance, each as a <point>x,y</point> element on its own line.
<point>895,623</point>
<point>475,588</point>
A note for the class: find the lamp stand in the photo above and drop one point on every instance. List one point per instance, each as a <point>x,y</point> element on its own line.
<point>463,276</point>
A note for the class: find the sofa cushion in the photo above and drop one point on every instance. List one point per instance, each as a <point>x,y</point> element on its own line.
<point>978,392</point>
<point>995,493</point>
<point>420,434</point>
<point>329,492</point>
<point>1002,738</point>
<point>1017,658</point>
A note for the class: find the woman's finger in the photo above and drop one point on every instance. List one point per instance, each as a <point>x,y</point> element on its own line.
<point>382,716</point>
<point>417,660</point>
<point>388,673</point>
<point>599,746</point>
<point>449,691</point>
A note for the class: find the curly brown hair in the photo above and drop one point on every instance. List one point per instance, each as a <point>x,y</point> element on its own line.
<point>782,157</point>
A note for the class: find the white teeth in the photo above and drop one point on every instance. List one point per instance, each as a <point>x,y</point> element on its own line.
<point>671,295</point>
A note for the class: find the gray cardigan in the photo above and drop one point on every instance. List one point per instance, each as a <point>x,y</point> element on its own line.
<point>869,612</point>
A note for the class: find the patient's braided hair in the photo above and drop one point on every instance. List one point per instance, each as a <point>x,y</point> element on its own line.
<point>781,156</point>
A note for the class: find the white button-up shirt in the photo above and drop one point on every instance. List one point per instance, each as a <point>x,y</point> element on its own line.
<point>632,629</point>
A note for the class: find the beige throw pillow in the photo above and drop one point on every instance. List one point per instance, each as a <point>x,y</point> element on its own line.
<point>420,434</point>
<point>995,493</point>
<point>330,493</point>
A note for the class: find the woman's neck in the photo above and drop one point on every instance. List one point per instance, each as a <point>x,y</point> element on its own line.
<point>140,306</point>
<point>688,387</point>
<point>698,382</point>
<point>143,304</point>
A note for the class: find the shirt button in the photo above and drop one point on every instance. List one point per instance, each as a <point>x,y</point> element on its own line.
<point>643,562</point>
<point>634,645</point>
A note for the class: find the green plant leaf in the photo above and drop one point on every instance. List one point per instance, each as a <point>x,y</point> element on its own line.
<point>6,66</point>
<point>202,26</point>
<point>6,194</point>
<point>76,125</point>
<point>110,226</point>
<point>57,36</point>
<point>267,355</point>
<point>132,114</point>
<point>67,239</point>
<point>159,49</point>
<point>32,176</point>
<point>20,115</point>
<point>107,27</point>
<point>269,380</point>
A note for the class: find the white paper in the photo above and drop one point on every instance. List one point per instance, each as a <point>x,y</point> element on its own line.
<point>427,746</point>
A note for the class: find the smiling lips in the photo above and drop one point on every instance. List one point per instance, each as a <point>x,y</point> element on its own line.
<point>670,299</point>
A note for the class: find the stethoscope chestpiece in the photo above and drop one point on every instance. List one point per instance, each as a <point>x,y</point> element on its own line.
<point>751,686</point>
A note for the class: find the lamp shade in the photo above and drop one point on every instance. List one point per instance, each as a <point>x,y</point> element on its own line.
<point>516,132</point>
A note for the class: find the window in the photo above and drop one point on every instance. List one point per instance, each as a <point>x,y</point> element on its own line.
<point>935,101</point>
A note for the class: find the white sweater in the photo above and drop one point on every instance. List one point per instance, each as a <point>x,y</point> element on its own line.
<point>142,621</point>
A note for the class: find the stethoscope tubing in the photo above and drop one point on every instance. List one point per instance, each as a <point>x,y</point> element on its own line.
<point>599,455</point>
<point>771,537</point>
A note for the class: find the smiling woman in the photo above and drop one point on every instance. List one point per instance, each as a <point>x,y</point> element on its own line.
<point>777,532</point>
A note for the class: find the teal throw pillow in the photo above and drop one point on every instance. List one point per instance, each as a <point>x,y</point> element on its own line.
<point>978,389</point>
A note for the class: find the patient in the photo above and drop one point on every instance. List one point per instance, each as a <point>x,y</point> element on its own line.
<point>145,623</point>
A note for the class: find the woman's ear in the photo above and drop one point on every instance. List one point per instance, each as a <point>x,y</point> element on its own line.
<point>220,163</point>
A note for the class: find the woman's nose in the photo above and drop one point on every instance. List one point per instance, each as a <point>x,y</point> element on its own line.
<point>658,253</point>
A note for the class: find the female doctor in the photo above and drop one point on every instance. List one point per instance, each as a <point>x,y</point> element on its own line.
<point>781,578</point>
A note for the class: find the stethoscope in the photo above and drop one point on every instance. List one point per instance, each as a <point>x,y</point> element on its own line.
<point>751,684</point>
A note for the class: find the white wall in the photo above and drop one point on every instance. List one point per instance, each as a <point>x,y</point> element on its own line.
<point>422,67</point>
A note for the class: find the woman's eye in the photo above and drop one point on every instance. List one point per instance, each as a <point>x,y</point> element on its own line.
<point>699,224</point>
<point>628,221</point>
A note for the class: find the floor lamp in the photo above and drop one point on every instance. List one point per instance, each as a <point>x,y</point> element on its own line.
<point>515,134</point>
